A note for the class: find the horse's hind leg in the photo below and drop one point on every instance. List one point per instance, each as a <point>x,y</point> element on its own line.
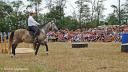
<point>13,49</point>
<point>35,46</point>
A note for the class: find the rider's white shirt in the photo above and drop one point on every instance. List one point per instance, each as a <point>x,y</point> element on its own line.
<point>32,22</point>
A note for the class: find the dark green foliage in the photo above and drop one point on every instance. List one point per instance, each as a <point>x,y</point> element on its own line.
<point>112,20</point>
<point>11,19</point>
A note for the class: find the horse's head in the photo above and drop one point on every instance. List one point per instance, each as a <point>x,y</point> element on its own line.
<point>53,26</point>
<point>50,26</point>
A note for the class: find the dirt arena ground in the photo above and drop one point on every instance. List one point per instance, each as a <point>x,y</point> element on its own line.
<point>98,57</point>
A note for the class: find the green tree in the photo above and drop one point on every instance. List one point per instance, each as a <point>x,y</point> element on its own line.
<point>5,10</point>
<point>122,14</point>
<point>69,23</point>
<point>125,12</point>
<point>112,19</point>
<point>16,5</point>
<point>55,14</point>
<point>99,8</point>
<point>81,7</point>
<point>35,3</point>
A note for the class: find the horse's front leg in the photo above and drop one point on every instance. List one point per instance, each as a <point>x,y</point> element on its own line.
<point>46,45</point>
<point>37,48</point>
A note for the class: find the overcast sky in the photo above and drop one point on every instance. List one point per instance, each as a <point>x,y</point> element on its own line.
<point>71,4</point>
<point>107,5</point>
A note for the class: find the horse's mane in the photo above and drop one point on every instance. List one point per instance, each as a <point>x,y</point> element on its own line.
<point>42,25</point>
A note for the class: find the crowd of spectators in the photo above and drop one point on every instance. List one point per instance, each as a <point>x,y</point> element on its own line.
<point>99,34</point>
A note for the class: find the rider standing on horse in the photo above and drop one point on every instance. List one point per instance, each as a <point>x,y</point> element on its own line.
<point>33,25</point>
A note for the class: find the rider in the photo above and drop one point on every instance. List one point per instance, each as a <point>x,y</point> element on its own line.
<point>33,25</point>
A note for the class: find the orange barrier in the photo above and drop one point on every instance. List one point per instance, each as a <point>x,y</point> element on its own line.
<point>0,43</point>
<point>3,44</point>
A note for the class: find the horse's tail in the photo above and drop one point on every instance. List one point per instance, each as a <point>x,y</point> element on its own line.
<point>10,40</point>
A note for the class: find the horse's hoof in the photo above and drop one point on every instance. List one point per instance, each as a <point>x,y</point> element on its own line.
<point>12,56</point>
<point>46,53</point>
<point>36,55</point>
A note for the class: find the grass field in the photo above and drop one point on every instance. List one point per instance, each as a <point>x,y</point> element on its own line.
<point>98,57</point>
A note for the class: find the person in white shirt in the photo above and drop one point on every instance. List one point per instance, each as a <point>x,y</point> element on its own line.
<point>33,25</point>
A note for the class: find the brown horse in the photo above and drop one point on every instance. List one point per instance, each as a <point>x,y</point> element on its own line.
<point>23,35</point>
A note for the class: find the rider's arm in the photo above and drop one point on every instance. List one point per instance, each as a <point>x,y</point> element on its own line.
<point>34,21</point>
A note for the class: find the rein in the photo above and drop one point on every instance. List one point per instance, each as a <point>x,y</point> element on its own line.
<point>42,25</point>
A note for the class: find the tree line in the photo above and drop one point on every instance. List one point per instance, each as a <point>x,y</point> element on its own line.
<point>13,15</point>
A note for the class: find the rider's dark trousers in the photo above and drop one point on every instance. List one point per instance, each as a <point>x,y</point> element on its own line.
<point>34,29</point>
